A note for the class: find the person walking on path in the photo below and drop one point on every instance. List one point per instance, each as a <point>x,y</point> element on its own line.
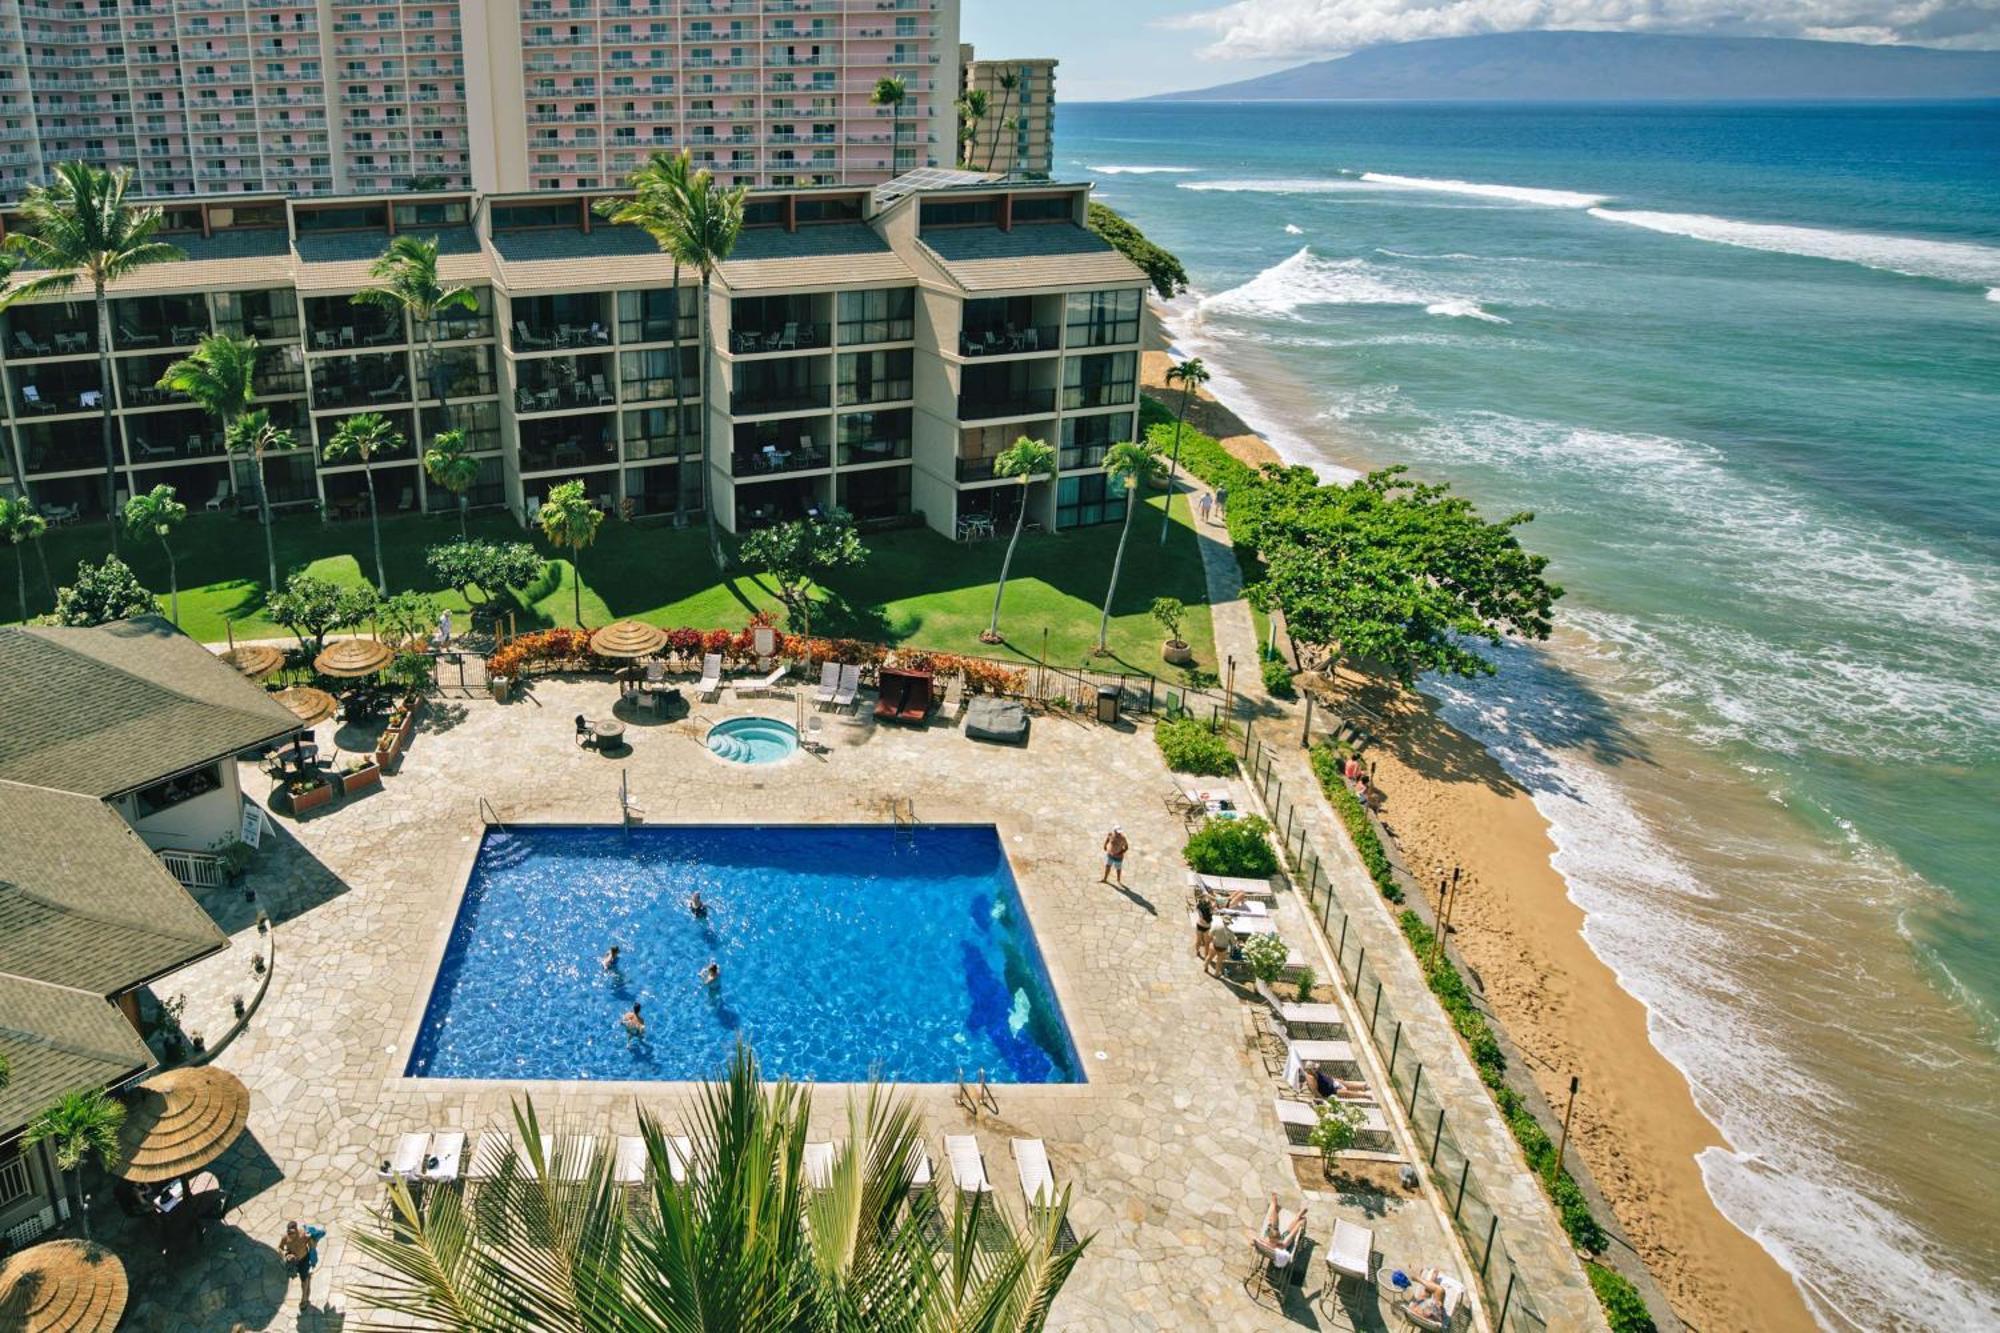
<point>1205,503</point>
<point>1222,503</point>
<point>1115,847</point>
<point>299,1248</point>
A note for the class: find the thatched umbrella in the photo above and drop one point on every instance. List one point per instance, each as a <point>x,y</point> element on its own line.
<point>62,1286</point>
<point>255,660</point>
<point>180,1122</point>
<point>308,705</point>
<point>628,638</point>
<point>353,658</point>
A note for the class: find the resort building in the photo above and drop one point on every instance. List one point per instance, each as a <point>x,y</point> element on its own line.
<point>337,97</point>
<point>873,349</point>
<point>1017,134</point>
<point>117,761</point>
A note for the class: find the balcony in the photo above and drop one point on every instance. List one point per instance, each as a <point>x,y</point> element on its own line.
<point>563,383</point>
<point>174,436</point>
<point>545,323</point>
<point>266,315</point>
<point>325,428</point>
<point>987,404</point>
<point>977,469</point>
<point>59,387</point>
<point>759,395</point>
<point>1109,380</point>
<point>457,372</point>
<point>874,437</point>
<point>360,381</point>
<point>568,445</point>
<point>158,321</point>
<point>65,329</point>
<point>138,382</point>
<point>73,446</point>
<point>335,323</point>
<point>761,454</point>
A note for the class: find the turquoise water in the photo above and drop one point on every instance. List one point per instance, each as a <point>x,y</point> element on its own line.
<point>1744,365</point>
<point>845,952</point>
<point>753,740</point>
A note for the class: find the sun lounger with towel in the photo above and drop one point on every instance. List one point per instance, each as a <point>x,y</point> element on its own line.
<point>447,1151</point>
<point>407,1161</point>
<point>710,683</point>
<point>968,1168</point>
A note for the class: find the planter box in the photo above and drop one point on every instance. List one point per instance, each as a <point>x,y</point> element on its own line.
<point>361,779</point>
<point>306,801</point>
<point>1179,654</point>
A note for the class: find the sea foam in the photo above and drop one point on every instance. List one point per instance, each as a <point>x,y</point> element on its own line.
<point>1305,280</point>
<point>1951,261</point>
<point>1116,170</point>
<point>1518,194</point>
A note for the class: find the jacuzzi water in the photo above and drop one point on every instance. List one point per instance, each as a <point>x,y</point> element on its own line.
<point>845,950</point>
<point>753,740</point>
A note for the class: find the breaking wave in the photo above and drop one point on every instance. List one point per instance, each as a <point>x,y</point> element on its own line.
<point>1950,261</point>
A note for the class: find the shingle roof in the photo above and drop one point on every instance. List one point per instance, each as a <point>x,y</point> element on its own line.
<point>105,710</point>
<point>565,259</point>
<point>56,1040</point>
<point>339,261</point>
<point>1038,255</point>
<point>821,255</point>
<point>84,903</point>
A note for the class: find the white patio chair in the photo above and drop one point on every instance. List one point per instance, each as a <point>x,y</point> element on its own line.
<point>710,683</point>
<point>829,683</point>
<point>407,1161</point>
<point>447,1151</point>
<point>630,1165</point>
<point>850,687</point>
<point>1351,1255</point>
<point>1031,1163</point>
<point>221,495</point>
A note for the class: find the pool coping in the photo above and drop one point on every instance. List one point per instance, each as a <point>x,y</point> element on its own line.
<point>418,1000</point>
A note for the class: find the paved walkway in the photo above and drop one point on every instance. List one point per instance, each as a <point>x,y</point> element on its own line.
<point>1532,1233</point>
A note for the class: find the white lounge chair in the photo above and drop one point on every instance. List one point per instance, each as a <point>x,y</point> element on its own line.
<point>850,687</point>
<point>1351,1254</point>
<point>221,496</point>
<point>573,1163</point>
<point>407,1161</point>
<point>1031,1163</point>
<point>920,1166</point>
<point>764,684</point>
<point>680,1154</point>
<point>1301,1015</point>
<point>1225,886</point>
<point>968,1168</point>
<point>710,683</point>
<point>829,682</point>
<point>491,1150</point>
<point>818,1162</point>
<point>447,1151</point>
<point>1299,1118</point>
<point>629,1164</point>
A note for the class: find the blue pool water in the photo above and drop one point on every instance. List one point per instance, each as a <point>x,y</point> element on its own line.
<point>753,740</point>
<point>846,950</point>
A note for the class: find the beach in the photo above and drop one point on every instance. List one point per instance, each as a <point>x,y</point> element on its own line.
<point>1450,804</point>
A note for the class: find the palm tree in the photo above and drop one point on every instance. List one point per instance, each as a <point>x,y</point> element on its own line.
<point>407,274</point>
<point>658,191</point>
<point>892,93</point>
<point>972,110</point>
<point>568,518</point>
<point>1135,465</point>
<point>363,436</point>
<point>1190,374</point>
<point>79,229</point>
<point>254,435</point>
<point>159,513</point>
<point>78,1127</point>
<point>453,466</point>
<point>736,1240</point>
<point>1009,81</point>
<point>20,523</point>
<point>1030,460</point>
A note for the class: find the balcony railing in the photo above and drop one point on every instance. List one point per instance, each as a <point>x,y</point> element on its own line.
<point>771,461</point>
<point>976,469</point>
<point>854,331</point>
<point>985,406</point>
<point>1091,456</point>
<point>1117,393</point>
<point>779,398</point>
<point>1009,341</point>
<point>787,337</point>
<point>854,452</point>
<point>874,391</point>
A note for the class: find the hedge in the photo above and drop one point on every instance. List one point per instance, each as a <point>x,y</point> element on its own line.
<point>1189,746</point>
<point>1624,1309</point>
<point>1238,848</point>
<point>1360,829</point>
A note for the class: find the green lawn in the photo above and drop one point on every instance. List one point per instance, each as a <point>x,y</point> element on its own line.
<point>917,587</point>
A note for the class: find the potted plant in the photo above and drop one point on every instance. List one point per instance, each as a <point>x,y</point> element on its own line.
<point>1170,612</point>
<point>1339,1125</point>
<point>308,793</point>
<point>359,777</point>
<point>236,857</point>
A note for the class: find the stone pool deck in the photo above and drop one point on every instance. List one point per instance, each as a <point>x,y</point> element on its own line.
<point>1171,1148</point>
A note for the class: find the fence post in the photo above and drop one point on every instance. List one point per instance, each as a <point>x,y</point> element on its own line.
<point>1415,1084</point>
<point>1492,1230</point>
<point>1341,952</point>
<point>1376,1012</point>
<point>1248,722</point>
<point>1359,959</point>
<point>1326,906</point>
<point>1464,1172</point>
<point>1437,1141</point>
<point>1506,1301</point>
<point>1306,735</point>
<point>1395,1045</point>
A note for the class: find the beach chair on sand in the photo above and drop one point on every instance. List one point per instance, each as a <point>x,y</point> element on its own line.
<point>968,1168</point>
<point>710,683</point>
<point>829,683</point>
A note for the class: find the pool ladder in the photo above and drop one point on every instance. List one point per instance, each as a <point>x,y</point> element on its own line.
<point>976,1099</point>
<point>904,811</point>
<point>489,816</point>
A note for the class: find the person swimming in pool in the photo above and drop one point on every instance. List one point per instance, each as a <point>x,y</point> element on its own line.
<point>712,975</point>
<point>697,906</point>
<point>634,1022</point>
<point>610,960</point>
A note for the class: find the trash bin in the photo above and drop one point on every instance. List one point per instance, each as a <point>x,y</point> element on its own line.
<point>1107,703</point>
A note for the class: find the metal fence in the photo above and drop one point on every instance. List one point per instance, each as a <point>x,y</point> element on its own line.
<point>1453,1170</point>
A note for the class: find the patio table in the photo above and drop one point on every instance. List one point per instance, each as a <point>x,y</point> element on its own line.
<point>610,731</point>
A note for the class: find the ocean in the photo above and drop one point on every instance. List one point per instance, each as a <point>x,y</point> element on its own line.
<point>1743,363</point>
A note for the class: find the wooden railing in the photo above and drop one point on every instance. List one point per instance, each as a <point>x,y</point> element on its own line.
<point>195,870</point>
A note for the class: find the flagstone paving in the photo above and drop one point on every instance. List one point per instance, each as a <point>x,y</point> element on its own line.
<point>1171,1147</point>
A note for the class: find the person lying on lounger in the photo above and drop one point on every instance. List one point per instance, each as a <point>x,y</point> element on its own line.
<point>1429,1298</point>
<point>1278,1245</point>
<point>1326,1085</point>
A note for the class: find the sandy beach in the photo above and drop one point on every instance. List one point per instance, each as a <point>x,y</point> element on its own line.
<point>1450,803</point>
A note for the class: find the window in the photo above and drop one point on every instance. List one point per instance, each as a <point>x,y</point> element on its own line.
<point>874,377</point>
<point>828,210</point>
<point>1045,208</point>
<point>1086,439</point>
<point>164,796</point>
<point>353,218</point>
<point>516,217</point>
<point>1104,319</point>
<point>445,213</point>
<point>648,316</point>
<point>650,374</point>
<point>955,213</point>
<point>886,315</point>
<point>1088,500</point>
<point>1099,381</point>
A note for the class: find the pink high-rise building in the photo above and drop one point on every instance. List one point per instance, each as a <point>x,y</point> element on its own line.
<point>204,97</point>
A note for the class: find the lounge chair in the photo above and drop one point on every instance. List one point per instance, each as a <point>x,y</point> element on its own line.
<point>710,683</point>
<point>492,1149</point>
<point>1454,1294</point>
<point>1351,1253</point>
<point>764,684</point>
<point>1301,1015</point>
<point>680,1155</point>
<point>573,1163</point>
<point>32,396</point>
<point>829,682</point>
<point>630,1163</point>
<point>407,500</point>
<point>28,345</point>
<point>527,339</point>
<point>390,392</point>
<point>407,1161</point>
<point>1226,886</point>
<point>968,1168</point>
<point>850,686</point>
<point>818,1163</point>
<point>447,1151</point>
<point>1299,1118</point>
<point>1038,1183</point>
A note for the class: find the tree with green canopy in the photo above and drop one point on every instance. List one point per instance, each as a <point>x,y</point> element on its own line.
<point>77,230</point>
<point>103,593</point>
<point>735,1236</point>
<point>1190,374</point>
<point>1009,81</point>
<point>1164,271</point>
<point>450,464</point>
<point>407,617</point>
<point>157,513</point>
<point>893,93</point>
<point>972,108</point>
<point>79,1127</point>
<point>19,523</point>
<point>569,520</point>
<point>1029,461</point>
<point>365,436</point>
<point>312,607</point>
<point>255,436</point>
<point>1133,464</point>
<point>492,567</point>
<point>797,554</point>
<point>407,282</point>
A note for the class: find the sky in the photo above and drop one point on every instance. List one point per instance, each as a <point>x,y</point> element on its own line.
<point>1112,49</point>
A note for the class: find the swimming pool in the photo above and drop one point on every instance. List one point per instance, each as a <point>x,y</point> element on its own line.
<point>845,950</point>
<point>753,740</point>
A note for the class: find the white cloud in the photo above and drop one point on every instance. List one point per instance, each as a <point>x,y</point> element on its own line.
<point>1275,29</point>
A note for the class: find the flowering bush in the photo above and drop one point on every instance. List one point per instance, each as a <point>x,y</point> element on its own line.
<point>569,647</point>
<point>684,641</point>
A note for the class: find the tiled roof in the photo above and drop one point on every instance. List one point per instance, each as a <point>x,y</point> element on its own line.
<point>339,261</point>
<point>1032,256</point>
<point>820,255</point>
<point>57,1040</point>
<point>84,903</point>
<point>105,710</point>
<point>565,259</point>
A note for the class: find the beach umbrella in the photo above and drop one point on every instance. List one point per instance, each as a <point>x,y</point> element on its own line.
<point>628,638</point>
<point>308,705</point>
<point>62,1286</point>
<point>255,660</point>
<point>351,658</point>
<point>181,1121</point>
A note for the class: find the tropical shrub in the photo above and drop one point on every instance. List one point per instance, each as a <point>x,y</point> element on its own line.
<point>1232,847</point>
<point>1624,1310</point>
<point>1278,678</point>
<point>103,593</point>
<point>1360,829</point>
<point>1339,1125</point>
<point>1190,747</point>
<point>1265,956</point>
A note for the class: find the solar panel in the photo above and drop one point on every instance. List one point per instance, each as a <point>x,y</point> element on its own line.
<point>927,178</point>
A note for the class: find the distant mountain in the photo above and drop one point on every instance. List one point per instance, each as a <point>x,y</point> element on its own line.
<point>1624,67</point>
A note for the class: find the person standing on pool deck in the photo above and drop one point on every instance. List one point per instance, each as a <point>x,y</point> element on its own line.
<point>1115,847</point>
<point>634,1022</point>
